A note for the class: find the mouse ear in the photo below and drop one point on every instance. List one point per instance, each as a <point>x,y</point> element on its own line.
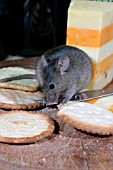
<point>63,64</point>
<point>44,62</point>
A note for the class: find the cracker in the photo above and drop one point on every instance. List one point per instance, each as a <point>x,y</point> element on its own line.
<point>17,99</point>
<point>24,127</point>
<point>87,117</point>
<point>23,84</point>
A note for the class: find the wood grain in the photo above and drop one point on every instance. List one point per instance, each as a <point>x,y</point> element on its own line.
<point>26,63</point>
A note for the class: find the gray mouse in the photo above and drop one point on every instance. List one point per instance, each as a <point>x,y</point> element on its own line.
<point>63,71</point>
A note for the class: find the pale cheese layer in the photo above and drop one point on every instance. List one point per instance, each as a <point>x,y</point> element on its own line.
<point>101,81</point>
<point>92,15</point>
<point>100,53</point>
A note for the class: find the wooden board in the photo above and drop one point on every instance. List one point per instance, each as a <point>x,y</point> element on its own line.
<point>66,149</point>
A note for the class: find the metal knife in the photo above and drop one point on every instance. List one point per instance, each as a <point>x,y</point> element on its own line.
<point>93,94</point>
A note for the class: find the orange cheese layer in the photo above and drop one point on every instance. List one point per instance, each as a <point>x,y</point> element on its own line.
<point>92,101</point>
<point>111,108</point>
<point>89,38</point>
<point>103,67</point>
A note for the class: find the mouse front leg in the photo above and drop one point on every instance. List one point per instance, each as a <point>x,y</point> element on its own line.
<point>68,95</point>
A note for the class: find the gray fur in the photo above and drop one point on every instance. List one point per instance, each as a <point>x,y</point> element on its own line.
<point>69,77</point>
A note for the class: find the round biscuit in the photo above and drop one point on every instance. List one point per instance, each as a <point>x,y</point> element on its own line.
<point>87,117</point>
<point>30,85</point>
<point>24,127</point>
<point>17,99</point>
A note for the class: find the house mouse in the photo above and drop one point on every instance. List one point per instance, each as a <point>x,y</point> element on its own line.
<point>63,71</point>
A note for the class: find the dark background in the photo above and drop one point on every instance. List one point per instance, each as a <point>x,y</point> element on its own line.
<point>30,27</point>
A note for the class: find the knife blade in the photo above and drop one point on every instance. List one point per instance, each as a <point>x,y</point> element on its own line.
<point>93,94</point>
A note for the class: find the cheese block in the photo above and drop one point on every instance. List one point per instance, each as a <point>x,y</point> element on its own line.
<point>90,28</point>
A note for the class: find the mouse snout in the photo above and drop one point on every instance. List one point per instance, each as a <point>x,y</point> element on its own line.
<point>51,99</point>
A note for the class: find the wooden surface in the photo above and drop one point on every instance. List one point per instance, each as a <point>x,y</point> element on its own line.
<point>66,149</point>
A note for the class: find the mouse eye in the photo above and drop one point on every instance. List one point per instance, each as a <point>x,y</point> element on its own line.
<point>51,86</point>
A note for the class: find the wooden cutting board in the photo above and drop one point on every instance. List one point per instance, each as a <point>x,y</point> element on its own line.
<point>66,149</point>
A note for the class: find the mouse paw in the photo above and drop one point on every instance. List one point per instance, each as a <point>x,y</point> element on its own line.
<point>80,96</point>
